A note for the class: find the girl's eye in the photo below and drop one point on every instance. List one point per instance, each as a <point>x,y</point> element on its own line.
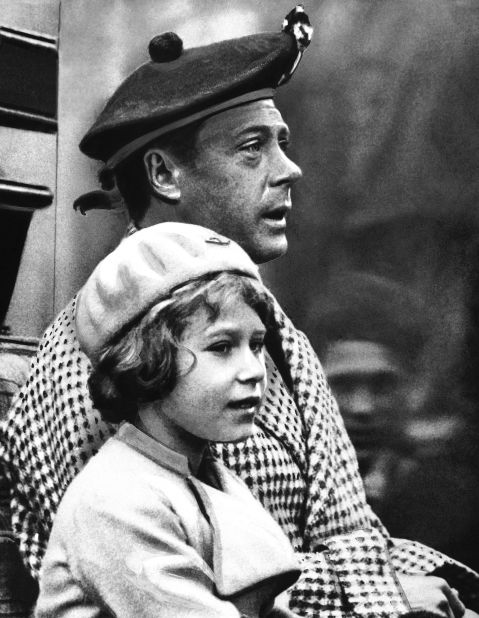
<point>257,346</point>
<point>222,347</point>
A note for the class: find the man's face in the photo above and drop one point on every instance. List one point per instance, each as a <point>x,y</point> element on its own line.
<point>240,182</point>
<point>367,383</point>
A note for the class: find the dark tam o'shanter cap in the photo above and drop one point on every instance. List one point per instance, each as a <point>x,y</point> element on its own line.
<point>178,87</point>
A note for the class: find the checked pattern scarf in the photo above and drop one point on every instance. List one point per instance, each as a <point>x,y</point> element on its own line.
<point>299,463</point>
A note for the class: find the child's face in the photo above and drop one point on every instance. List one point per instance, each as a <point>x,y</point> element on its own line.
<point>217,398</point>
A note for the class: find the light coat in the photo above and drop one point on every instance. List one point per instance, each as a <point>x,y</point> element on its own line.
<point>138,535</point>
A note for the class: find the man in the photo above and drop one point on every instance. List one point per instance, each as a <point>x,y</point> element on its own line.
<point>412,439</point>
<point>195,136</point>
<point>367,381</point>
<point>369,332</point>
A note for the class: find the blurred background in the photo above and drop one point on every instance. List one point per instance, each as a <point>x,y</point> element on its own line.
<point>383,267</point>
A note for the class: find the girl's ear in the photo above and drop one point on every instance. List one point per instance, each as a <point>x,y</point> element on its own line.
<point>162,174</point>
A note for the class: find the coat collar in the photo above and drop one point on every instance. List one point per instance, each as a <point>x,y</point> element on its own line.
<point>249,547</point>
<point>154,450</point>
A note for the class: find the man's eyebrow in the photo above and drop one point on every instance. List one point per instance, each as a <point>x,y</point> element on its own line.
<point>265,129</point>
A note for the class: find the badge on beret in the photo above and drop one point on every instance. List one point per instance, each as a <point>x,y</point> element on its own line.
<point>298,25</point>
<point>216,240</point>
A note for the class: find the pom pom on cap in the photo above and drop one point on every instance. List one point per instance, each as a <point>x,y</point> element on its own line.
<point>165,47</point>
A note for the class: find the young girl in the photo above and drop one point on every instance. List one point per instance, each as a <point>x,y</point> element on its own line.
<point>174,322</point>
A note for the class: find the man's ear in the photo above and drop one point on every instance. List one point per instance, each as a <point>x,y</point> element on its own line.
<point>162,174</point>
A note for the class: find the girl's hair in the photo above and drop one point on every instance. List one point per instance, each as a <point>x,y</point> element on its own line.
<point>140,366</point>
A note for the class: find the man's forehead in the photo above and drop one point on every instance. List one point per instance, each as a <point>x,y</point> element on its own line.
<point>358,357</point>
<point>262,113</point>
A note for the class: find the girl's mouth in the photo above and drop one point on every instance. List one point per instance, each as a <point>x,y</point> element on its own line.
<point>245,404</point>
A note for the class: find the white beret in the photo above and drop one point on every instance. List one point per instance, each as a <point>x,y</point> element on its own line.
<point>143,270</point>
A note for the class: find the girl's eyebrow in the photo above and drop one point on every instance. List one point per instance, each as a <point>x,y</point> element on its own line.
<point>229,329</point>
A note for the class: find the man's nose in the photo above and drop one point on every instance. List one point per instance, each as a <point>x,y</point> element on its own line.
<point>361,402</point>
<point>286,170</point>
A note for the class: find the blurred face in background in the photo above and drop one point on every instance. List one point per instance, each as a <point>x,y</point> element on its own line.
<point>367,382</point>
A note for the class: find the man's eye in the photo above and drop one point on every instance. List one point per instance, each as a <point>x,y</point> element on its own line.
<point>252,147</point>
<point>384,383</point>
<point>284,144</point>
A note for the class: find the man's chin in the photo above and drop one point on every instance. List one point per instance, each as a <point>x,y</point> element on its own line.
<point>268,251</point>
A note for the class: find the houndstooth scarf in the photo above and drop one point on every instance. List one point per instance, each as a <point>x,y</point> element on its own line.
<point>299,463</point>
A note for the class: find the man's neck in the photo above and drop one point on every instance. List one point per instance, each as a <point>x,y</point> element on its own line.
<point>158,213</point>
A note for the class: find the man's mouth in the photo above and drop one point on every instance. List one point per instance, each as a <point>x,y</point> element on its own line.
<point>277,216</point>
<point>366,437</point>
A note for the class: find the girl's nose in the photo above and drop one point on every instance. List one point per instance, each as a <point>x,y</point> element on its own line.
<point>253,367</point>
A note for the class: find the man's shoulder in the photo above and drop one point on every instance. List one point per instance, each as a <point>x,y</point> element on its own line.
<point>58,357</point>
<point>62,326</point>
<point>58,341</point>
